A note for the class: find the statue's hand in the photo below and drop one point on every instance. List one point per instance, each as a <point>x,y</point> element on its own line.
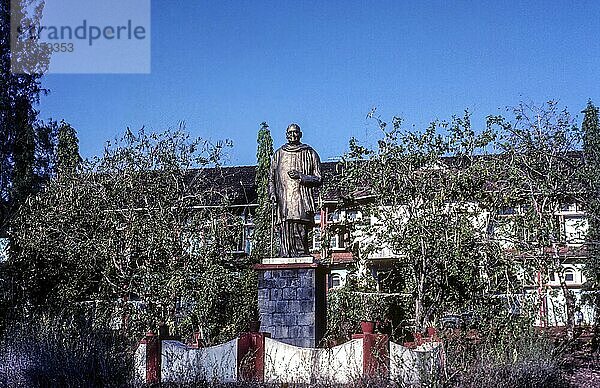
<point>294,174</point>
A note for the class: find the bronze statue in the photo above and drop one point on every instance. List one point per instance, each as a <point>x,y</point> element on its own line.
<point>295,170</point>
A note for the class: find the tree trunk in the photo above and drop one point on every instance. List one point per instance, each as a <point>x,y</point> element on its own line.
<point>570,308</point>
<point>419,303</point>
<point>596,336</point>
<point>420,276</point>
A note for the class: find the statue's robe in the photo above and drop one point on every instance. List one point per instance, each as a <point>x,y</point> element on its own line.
<point>295,208</point>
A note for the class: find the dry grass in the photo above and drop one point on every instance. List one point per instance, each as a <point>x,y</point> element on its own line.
<point>51,352</point>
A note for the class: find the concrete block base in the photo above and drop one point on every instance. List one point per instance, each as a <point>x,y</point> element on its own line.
<point>292,302</point>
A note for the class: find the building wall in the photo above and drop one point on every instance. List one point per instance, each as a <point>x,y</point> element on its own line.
<point>573,229</point>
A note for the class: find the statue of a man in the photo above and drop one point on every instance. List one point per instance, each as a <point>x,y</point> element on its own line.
<point>295,170</point>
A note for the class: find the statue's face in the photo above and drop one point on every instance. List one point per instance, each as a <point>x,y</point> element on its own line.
<point>293,135</point>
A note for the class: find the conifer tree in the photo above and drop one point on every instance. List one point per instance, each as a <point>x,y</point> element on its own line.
<point>22,140</point>
<point>67,152</point>
<point>263,219</point>
<point>591,182</point>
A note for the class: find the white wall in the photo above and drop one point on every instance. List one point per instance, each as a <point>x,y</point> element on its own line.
<point>291,364</point>
<point>419,367</point>
<point>556,313</point>
<point>288,364</point>
<point>182,364</point>
<point>139,364</point>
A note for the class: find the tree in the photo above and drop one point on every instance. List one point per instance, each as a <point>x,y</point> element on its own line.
<point>425,188</point>
<point>591,152</point>
<point>140,233</point>
<point>263,238</point>
<point>537,175</point>
<point>591,182</point>
<point>67,150</point>
<point>23,143</point>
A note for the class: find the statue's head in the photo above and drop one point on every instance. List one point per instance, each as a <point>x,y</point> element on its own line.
<point>293,134</point>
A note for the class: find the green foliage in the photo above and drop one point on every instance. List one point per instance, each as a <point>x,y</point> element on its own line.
<point>67,151</point>
<point>536,175</point>
<point>139,232</point>
<point>343,314</point>
<point>591,133</point>
<point>346,308</point>
<point>24,145</point>
<point>591,181</point>
<point>591,203</point>
<point>439,207</point>
<point>262,240</point>
<point>426,188</point>
<point>538,170</point>
<point>527,361</point>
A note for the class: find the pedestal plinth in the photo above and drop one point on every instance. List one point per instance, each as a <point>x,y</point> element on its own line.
<point>292,300</point>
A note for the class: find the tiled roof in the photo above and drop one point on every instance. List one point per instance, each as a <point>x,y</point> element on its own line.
<point>237,182</point>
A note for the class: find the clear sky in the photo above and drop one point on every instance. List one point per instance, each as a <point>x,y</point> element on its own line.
<point>223,67</point>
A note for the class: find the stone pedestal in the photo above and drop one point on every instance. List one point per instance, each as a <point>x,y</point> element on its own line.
<point>292,300</point>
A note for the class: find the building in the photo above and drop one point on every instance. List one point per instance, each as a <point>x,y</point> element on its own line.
<point>332,241</point>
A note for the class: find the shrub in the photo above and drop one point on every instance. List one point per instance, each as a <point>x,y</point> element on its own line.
<point>521,360</point>
<point>62,351</point>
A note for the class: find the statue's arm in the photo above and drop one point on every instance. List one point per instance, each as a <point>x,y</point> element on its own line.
<point>313,179</point>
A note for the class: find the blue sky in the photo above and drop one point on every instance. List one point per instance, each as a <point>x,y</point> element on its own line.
<point>223,67</point>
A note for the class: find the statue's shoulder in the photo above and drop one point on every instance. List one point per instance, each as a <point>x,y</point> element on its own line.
<point>311,151</point>
<point>296,148</point>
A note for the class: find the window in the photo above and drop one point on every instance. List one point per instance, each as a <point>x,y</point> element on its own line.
<point>318,219</point>
<point>574,229</point>
<point>333,231</point>
<point>565,207</point>
<point>248,232</point>
<point>507,211</point>
<point>235,234</point>
<point>570,207</point>
<point>352,215</point>
<point>569,275</point>
<point>316,238</point>
<point>336,280</point>
<point>239,233</point>
<point>333,216</point>
<point>336,241</point>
